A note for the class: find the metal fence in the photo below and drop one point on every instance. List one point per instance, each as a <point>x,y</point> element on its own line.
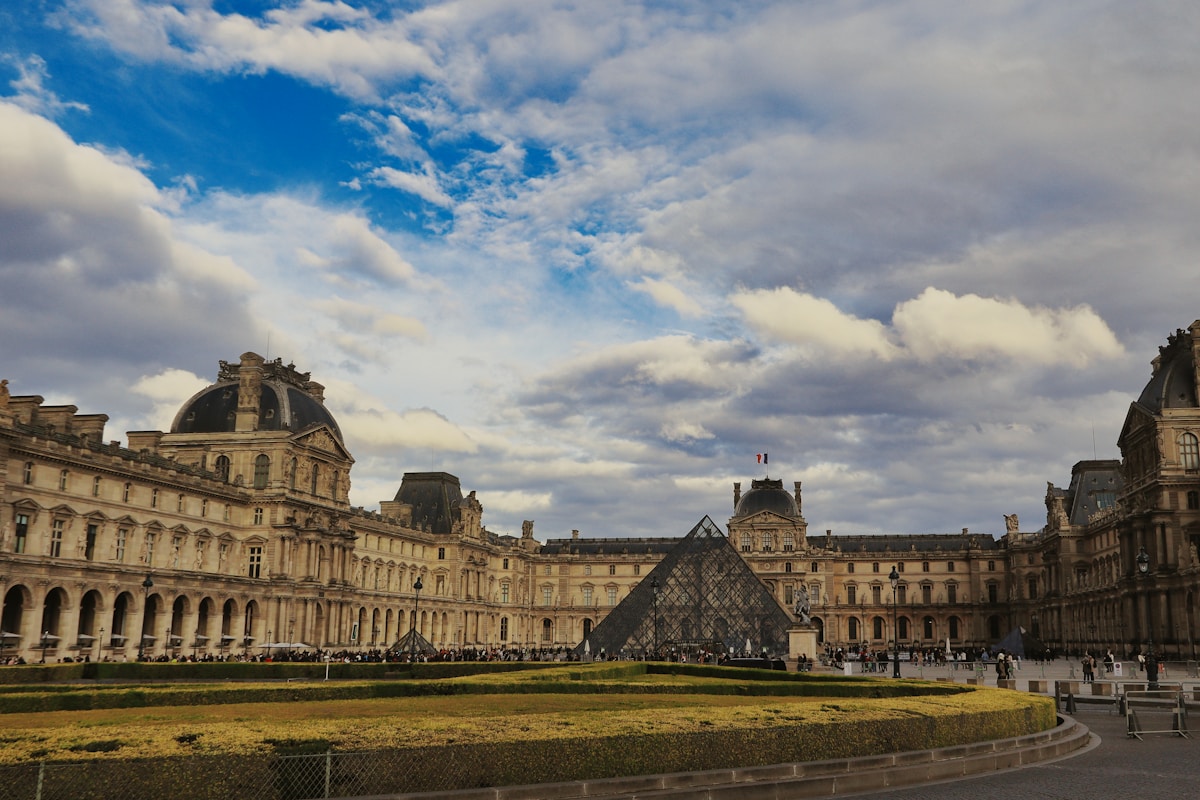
<point>286,777</point>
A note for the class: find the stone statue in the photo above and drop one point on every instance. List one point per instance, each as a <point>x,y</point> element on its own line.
<point>1011,523</point>
<point>4,393</point>
<point>802,607</point>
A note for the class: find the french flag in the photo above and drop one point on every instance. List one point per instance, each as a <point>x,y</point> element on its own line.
<point>762,458</point>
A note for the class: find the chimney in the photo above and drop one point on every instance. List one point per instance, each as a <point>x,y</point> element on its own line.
<point>249,392</point>
<point>737,494</point>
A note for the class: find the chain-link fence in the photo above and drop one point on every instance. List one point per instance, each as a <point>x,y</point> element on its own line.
<point>286,777</point>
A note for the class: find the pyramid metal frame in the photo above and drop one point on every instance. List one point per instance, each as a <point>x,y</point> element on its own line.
<point>707,597</point>
<point>405,644</point>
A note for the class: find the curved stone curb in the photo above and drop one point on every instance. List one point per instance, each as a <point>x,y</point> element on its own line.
<point>802,779</point>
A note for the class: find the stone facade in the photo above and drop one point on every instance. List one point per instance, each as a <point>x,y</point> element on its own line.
<point>233,532</point>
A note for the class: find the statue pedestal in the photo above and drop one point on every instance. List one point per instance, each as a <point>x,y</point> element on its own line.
<point>802,641</point>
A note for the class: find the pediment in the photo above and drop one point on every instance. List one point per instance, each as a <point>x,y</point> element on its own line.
<point>1137,420</point>
<point>322,438</point>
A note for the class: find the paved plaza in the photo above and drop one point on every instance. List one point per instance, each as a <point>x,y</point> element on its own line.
<point>1114,766</point>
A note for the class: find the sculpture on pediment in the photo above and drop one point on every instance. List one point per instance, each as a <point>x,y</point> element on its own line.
<point>1011,523</point>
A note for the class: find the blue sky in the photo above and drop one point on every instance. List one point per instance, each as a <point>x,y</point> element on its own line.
<point>593,257</point>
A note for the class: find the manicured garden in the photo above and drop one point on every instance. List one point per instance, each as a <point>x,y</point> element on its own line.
<point>548,723</point>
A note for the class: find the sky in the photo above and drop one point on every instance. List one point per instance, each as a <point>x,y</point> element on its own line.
<point>594,258</point>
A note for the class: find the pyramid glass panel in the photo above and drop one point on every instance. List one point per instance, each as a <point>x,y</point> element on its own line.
<point>701,595</point>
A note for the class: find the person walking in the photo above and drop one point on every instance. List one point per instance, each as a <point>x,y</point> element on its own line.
<point>1089,668</point>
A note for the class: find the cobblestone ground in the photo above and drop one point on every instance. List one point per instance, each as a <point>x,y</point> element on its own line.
<point>1160,766</point>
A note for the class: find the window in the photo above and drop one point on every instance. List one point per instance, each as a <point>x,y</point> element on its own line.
<point>587,569</point>
<point>991,566</point>
<point>547,630</point>
<point>547,595</point>
<point>927,623</point>
<point>63,478</point>
<point>878,628</point>
<point>900,567</point>
<point>505,564</point>
<point>850,568</point>
<point>334,477</point>
<point>154,498</point>
<point>1189,452</point>
<point>951,593</point>
<point>122,538</point>
<point>926,594</point>
<point>587,595</point>
<point>901,594</point>
<point>746,543</point>
<point>924,566</point>
<point>176,545</point>
<point>766,543</point>
<point>441,554</point>
<point>949,566</point>
<point>787,567</point>
<point>813,567</point>
<point>851,595</point>
<point>814,593</point>
<point>1193,501</point>
<point>954,628</point>
<point>612,595</point>
<point>993,593</point>
<point>262,470</point>
<point>612,569</point>
<point>89,542</point>
<point>1033,589</point>
<point>27,474</point>
<point>504,629</point>
<point>222,468</point>
<point>875,566</point>
<point>22,532</point>
<point>204,508</point>
<point>125,493</point>
<point>789,543</point>
<point>876,596</point>
<point>96,486</point>
<point>149,549</point>
<point>225,515</point>
<point>902,627</point>
<point>852,628</point>
<point>546,569</point>
<point>504,593</point>
<point>255,561</point>
<point>56,538</point>
<point>179,504</point>
<point>258,516</point>
<point>637,569</point>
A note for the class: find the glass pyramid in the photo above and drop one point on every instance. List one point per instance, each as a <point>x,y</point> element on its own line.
<point>704,595</point>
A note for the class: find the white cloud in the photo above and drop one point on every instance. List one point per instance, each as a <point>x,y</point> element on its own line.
<point>938,325</point>
<point>168,390</point>
<point>32,94</point>
<point>424,185</point>
<point>375,429</point>
<point>801,319</point>
<point>669,295</point>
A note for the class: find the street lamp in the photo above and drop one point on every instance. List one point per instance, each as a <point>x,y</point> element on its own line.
<point>894,577</point>
<point>412,640</point>
<point>268,644</point>
<point>654,593</point>
<point>1143,565</point>
<point>100,647</point>
<point>45,636</point>
<point>147,585</point>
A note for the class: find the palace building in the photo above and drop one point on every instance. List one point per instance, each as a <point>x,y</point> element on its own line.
<point>233,533</point>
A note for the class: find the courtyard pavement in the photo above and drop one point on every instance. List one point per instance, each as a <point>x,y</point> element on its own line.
<point>1159,766</point>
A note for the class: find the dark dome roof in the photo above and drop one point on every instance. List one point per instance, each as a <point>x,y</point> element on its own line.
<point>767,495</point>
<point>281,408</point>
<point>1174,382</point>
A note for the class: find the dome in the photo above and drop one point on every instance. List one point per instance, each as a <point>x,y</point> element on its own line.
<point>1174,382</point>
<point>767,495</point>
<point>287,400</point>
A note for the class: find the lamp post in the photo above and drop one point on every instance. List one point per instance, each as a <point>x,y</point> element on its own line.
<point>45,636</point>
<point>268,644</point>
<point>654,593</point>
<point>100,646</point>
<point>1143,565</point>
<point>412,640</point>
<point>894,577</point>
<point>147,585</point>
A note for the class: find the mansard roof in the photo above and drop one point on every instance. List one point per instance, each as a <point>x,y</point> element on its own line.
<point>909,543</point>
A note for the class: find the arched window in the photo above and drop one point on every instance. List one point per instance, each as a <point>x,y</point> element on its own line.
<point>927,625</point>
<point>316,476</point>
<point>902,627</point>
<point>1189,452</point>
<point>547,631</point>
<point>852,629</point>
<point>262,471</point>
<point>878,628</point>
<point>221,467</point>
<point>504,629</point>
<point>954,634</point>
